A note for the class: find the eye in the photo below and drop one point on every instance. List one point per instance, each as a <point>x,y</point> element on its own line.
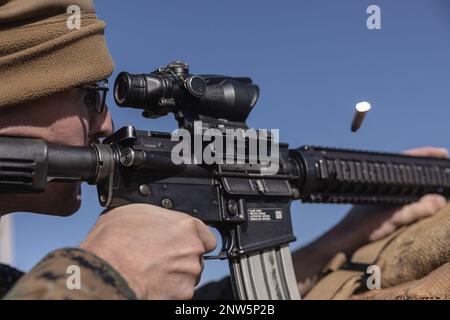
<point>90,98</point>
<point>95,95</point>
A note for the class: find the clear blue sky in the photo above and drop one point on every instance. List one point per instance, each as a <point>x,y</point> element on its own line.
<point>313,60</point>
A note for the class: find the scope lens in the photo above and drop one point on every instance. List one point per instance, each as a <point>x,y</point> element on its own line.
<point>196,85</point>
<point>122,88</point>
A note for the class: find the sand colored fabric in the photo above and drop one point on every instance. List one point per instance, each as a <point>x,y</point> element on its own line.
<point>40,55</point>
<point>434,286</point>
<point>339,285</point>
<point>410,261</point>
<point>342,277</point>
<point>423,247</point>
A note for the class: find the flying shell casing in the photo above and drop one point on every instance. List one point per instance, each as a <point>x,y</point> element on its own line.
<point>360,113</point>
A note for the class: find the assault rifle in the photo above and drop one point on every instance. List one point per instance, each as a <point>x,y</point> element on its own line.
<point>247,203</point>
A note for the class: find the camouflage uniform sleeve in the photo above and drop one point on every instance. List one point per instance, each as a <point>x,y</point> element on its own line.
<point>54,278</point>
<point>8,277</point>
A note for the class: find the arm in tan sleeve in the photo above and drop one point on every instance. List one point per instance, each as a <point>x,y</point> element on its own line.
<point>52,278</point>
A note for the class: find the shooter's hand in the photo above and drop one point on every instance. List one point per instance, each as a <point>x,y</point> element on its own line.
<point>158,251</point>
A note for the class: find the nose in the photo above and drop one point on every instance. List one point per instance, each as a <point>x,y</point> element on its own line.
<point>101,124</point>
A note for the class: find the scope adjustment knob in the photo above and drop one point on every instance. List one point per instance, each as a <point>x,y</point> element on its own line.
<point>196,86</point>
<point>180,68</point>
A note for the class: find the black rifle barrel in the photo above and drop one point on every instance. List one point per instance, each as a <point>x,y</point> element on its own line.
<point>330,175</point>
<point>27,164</point>
<point>72,163</point>
<point>324,175</point>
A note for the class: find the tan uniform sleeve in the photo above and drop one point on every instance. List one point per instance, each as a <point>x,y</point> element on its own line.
<point>71,273</point>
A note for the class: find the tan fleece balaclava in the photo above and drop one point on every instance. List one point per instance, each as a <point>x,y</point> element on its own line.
<point>41,53</point>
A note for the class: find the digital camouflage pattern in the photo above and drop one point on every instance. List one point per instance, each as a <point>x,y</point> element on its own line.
<point>48,279</point>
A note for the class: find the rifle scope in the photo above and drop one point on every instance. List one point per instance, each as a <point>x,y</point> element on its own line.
<point>173,89</point>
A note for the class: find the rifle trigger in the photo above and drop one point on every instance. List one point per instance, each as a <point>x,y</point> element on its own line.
<point>222,256</point>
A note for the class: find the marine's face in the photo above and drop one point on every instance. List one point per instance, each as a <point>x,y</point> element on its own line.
<point>64,118</point>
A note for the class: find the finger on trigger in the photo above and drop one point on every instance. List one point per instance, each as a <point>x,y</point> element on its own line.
<point>206,236</point>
